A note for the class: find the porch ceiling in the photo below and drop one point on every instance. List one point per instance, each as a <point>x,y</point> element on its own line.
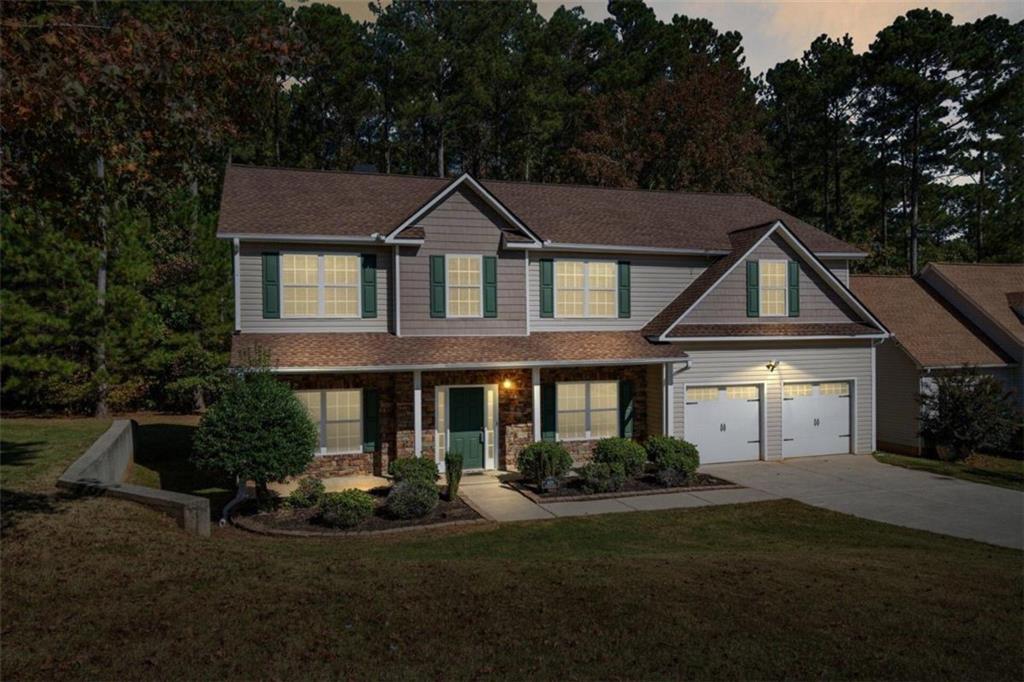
<point>380,351</point>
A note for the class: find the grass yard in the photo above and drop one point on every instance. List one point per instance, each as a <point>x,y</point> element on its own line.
<point>103,589</point>
<point>1001,471</point>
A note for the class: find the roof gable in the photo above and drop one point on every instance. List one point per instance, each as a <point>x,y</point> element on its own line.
<point>989,287</point>
<point>671,323</point>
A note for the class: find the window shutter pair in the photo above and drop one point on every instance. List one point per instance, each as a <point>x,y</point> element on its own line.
<point>272,285</point>
<point>437,286</point>
<point>371,420</point>
<point>792,282</point>
<point>547,289</point>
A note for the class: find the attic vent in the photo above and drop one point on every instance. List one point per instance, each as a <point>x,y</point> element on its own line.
<point>1016,301</point>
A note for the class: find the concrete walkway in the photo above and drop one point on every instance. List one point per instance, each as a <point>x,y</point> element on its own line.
<point>862,486</point>
<point>499,502</point>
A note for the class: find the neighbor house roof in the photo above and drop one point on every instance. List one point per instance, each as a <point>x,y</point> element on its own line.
<point>277,201</point>
<point>366,351</point>
<point>931,330</point>
<point>991,287</point>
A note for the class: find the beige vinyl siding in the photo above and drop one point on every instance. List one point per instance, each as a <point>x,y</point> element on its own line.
<point>654,282</point>
<point>251,290</point>
<point>462,224</point>
<point>798,362</point>
<point>839,268</point>
<point>899,385</point>
<point>726,303</point>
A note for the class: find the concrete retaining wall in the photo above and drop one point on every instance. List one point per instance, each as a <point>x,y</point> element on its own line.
<point>104,466</point>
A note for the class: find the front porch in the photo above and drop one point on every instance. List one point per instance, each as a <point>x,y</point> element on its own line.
<point>489,415</point>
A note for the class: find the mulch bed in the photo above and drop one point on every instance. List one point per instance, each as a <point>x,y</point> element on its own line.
<point>572,488</point>
<point>305,522</point>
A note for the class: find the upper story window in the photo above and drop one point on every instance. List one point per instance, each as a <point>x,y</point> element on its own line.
<point>319,285</point>
<point>585,289</point>
<point>465,286</point>
<point>772,287</point>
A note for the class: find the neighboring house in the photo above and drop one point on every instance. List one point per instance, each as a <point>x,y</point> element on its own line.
<point>418,315</point>
<point>950,316</point>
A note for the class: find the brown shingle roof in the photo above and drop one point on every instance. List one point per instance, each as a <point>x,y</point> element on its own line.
<point>928,328</point>
<point>381,350</point>
<point>786,329</point>
<point>287,201</point>
<point>988,285</point>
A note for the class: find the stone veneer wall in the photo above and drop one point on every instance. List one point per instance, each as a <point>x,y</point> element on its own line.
<point>515,411</point>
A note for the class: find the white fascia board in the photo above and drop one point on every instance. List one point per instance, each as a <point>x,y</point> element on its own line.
<point>479,365</point>
<point>821,337</point>
<point>491,200</point>
<point>559,246</point>
<point>336,239</point>
<point>931,368</point>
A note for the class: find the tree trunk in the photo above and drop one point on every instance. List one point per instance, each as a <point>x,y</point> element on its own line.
<point>915,171</point>
<point>440,153</point>
<point>102,388</point>
<point>979,211</point>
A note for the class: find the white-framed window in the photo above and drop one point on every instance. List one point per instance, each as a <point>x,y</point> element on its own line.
<point>772,287</point>
<point>320,285</point>
<point>586,288</point>
<point>587,410</point>
<point>464,279</point>
<point>339,417</point>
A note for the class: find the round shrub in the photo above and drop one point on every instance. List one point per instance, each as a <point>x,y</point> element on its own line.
<point>601,477</point>
<point>414,469</point>
<point>411,499</point>
<point>542,460</point>
<point>628,453</point>
<point>346,509</point>
<point>307,494</point>
<point>667,452</point>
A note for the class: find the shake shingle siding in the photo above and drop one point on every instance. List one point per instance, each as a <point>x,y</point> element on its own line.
<point>726,303</point>
<point>462,224</point>
<point>251,290</point>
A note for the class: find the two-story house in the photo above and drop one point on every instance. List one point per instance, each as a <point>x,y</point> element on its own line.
<point>417,315</point>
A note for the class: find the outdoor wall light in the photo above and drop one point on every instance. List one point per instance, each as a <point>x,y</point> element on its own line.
<point>772,364</point>
<point>506,384</point>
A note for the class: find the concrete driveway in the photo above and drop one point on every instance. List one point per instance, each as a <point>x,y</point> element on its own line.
<point>862,486</point>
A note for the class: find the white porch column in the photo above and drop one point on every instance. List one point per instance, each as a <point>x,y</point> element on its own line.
<point>536,404</point>
<point>417,411</point>
<point>668,408</point>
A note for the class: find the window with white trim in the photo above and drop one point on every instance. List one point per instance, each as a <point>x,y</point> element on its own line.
<point>319,285</point>
<point>772,287</point>
<point>587,410</point>
<point>585,288</point>
<point>338,416</point>
<point>465,286</point>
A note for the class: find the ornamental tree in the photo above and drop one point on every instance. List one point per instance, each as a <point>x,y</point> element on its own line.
<point>967,411</point>
<point>258,430</point>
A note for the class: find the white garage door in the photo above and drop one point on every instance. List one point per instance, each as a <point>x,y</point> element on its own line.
<point>815,419</point>
<point>724,422</point>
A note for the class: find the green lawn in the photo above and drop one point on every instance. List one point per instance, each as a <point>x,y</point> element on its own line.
<point>1000,471</point>
<point>103,589</point>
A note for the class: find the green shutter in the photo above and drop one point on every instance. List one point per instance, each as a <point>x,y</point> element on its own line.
<point>548,412</point>
<point>794,289</point>
<point>626,409</point>
<point>624,298</point>
<point>369,285</point>
<point>547,288</point>
<point>753,305</point>
<point>490,286</point>
<point>371,420</point>
<point>437,306</point>
<point>271,286</point>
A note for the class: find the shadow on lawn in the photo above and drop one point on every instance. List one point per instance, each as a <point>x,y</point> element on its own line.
<point>165,450</point>
<point>19,454</point>
<point>16,505</point>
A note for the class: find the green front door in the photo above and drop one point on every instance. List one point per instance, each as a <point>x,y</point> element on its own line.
<point>466,425</point>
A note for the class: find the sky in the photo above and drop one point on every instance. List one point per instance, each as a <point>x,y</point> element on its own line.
<point>781,29</point>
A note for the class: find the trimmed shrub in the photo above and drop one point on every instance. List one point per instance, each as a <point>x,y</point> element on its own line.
<point>414,469</point>
<point>667,452</point>
<point>345,509</point>
<point>542,460</point>
<point>307,494</point>
<point>966,412</point>
<point>601,477</point>
<point>411,499</point>
<point>623,451</point>
<point>453,473</point>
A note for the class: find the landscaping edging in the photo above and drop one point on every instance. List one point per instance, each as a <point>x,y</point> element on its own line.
<point>247,523</point>
<point>539,499</point>
<point>101,470</point>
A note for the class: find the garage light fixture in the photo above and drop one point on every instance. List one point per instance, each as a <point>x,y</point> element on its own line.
<point>772,364</point>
